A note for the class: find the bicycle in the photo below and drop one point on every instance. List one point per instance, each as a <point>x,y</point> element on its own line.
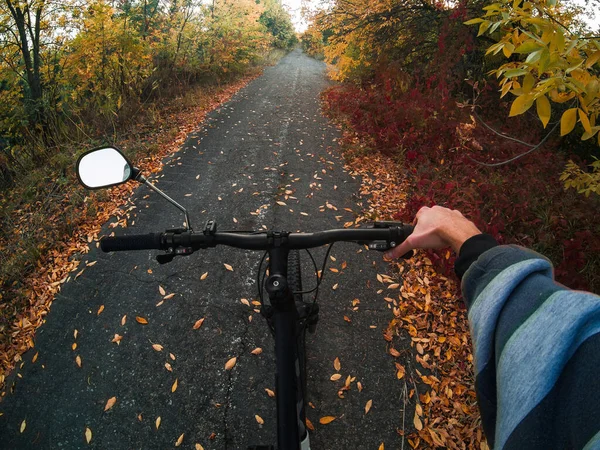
<point>288,315</point>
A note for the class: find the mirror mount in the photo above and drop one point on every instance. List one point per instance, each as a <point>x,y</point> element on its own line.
<point>142,179</point>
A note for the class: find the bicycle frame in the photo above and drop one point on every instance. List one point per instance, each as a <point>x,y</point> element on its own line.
<point>291,423</point>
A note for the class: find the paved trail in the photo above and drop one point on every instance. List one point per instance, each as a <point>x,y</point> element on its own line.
<point>268,139</point>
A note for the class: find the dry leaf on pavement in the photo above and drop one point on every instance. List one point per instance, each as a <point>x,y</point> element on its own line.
<point>230,364</point>
<point>110,403</point>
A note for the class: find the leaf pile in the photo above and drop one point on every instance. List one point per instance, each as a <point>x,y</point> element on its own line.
<point>427,307</point>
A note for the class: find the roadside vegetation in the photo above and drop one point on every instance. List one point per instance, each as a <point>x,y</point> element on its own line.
<point>74,75</point>
<point>491,108</point>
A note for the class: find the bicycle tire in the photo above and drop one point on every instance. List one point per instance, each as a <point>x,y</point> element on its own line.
<point>294,278</point>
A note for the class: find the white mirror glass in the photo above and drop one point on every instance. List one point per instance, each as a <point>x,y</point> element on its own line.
<point>103,167</point>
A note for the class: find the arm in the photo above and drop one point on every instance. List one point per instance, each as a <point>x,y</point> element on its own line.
<point>536,343</point>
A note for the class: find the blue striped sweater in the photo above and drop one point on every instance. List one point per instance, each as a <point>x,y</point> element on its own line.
<point>536,348</point>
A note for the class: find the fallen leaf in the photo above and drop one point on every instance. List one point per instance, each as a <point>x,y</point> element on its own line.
<point>141,320</point>
<point>335,377</point>
<point>124,319</point>
<point>35,357</point>
<point>179,441</point>
<point>309,425</point>
<point>74,346</point>
<point>230,364</point>
<point>394,286</point>
<point>172,356</point>
<point>401,371</point>
<point>270,393</point>
<point>23,425</point>
<point>161,290</point>
<point>75,333</point>
<point>360,387</point>
<point>335,286</point>
<point>327,419</point>
<point>110,403</point>
<point>157,423</point>
<point>157,347</point>
<point>281,203</point>
<point>245,301</point>
<point>256,351</point>
<point>204,275</point>
<point>78,360</point>
<point>381,447</point>
<point>336,364</point>
<point>228,267</point>
<point>199,447</point>
<point>259,419</point>
<point>169,297</point>
<point>117,339</point>
<point>198,323</point>
<point>394,352</point>
<point>100,309</point>
<point>174,387</point>
<point>368,406</point>
<point>417,422</point>
<point>168,367</point>
<point>88,435</point>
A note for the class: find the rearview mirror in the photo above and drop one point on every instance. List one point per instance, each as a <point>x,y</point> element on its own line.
<point>103,167</point>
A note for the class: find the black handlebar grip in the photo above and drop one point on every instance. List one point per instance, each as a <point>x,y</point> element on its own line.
<point>149,241</point>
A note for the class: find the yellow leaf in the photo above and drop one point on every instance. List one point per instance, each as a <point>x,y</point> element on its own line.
<point>592,59</point>
<point>336,364</point>
<point>100,309</point>
<point>35,357</point>
<point>174,387</point>
<point>74,346</point>
<point>161,290</point>
<point>521,104</point>
<point>230,364</point>
<point>368,406</point>
<point>198,323</point>
<point>157,423</point>
<point>269,392</point>
<point>157,347</point>
<point>88,435</point>
<point>417,422</point>
<point>382,447</point>
<point>401,371</point>
<point>204,275</point>
<point>327,419</point>
<point>179,441</point>
<point>228,267</point>
<point>78,360</point>
<point>23,425</point>
<point>567,121</point>
<point>110,403</point>
<point>583,118</point>
<point>543,109</point>
<point>256,351</point>
<point>335,377</point>
<point>259,419</point>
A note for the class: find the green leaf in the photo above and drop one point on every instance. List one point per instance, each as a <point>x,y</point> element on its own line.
<point>567,121</point>
<point>527,47</point>
<point>510,73</point>
<point>543,109</point>
<point>521,104</point>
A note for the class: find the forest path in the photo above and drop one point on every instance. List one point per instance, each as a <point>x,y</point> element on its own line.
<point>269,139</point>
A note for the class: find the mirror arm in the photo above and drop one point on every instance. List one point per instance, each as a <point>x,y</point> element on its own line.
<point>137,176</point>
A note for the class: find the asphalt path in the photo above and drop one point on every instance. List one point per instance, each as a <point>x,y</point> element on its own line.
<point>266,158</point>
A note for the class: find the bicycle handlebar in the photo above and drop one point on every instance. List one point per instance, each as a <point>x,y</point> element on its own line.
<point>393,233</point>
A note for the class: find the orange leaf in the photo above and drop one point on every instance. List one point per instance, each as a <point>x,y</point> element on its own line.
<point>198,323</point>
<point>269,392</point>
<point>335,377</point>
<point>337,365</point>
<point>174,387</point>
<point>157,423</point>
<point>78,360</point>
<point>204,275</point>
<point>161,290</point>
<point>179,441</point>
<point>417,422</point>
<point>309,425</point>
<point>124,319</point>
<point>141,320</point>
<point>168,367</point>
<point>157,347</point>
<point>368,406</point>
<point>259,419</point>
<point>256,351</point>
<point>110,403</point>
<point>228,267</point>
<point>230,364</point>
<point>327,419</point>
<point>100,309</point>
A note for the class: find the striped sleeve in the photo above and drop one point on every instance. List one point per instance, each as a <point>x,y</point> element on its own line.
<point>536,345</point>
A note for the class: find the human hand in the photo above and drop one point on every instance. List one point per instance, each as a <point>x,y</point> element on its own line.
<point>436,228</point>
